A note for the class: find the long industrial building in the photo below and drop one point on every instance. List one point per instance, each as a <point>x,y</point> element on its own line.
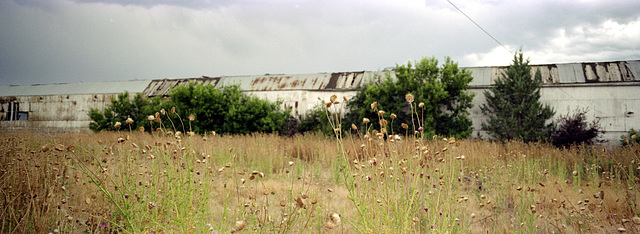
<point>609,90</point>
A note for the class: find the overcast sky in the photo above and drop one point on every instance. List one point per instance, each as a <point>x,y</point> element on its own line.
<point>64,41</point>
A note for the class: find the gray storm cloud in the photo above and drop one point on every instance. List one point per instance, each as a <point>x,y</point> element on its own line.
<point>81,41</point>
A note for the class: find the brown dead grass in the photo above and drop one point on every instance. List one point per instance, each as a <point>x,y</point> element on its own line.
<point>40,177</point>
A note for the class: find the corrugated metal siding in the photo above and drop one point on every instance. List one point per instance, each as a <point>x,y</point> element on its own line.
<point>133,86</point>
<point>481,76</point>
<point>163,86</point>
<point>320,81</point>
<point>634,68</point>
<point>570,73</point>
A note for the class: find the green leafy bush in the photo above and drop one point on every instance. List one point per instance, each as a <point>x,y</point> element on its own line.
<point>121,108</point>
<point>441,90</point>
<point>631,138</point>
<point>224,110</point>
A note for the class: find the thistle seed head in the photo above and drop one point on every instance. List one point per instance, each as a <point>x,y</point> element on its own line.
<point>409,97</point>
<point>300,202</point>
<point>383,122</point>
<point>335,218</point>
<point>333,99</point>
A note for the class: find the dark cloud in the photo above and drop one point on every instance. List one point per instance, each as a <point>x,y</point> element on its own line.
<point>68,41</point>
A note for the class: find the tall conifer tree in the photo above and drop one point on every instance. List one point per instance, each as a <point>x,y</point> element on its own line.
<point>513,105</point>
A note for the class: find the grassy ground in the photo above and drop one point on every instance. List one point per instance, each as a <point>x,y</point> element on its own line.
<point>134,182</point>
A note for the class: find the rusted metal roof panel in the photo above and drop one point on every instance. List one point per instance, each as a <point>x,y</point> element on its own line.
<point>548,73</point>
<point>618,71</point>
<point>320,81</point>
<point>133,86</point>
<point>163,87</point>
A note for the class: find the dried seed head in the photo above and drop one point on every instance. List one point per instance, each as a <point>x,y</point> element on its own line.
<point>173,110</point>
<point>330,225</point>
<point>192,117</point>
<point>157,115</point>
<point>335,218</point>
<point>393,116</point>
<point>404,125</point>
<point>409,97</point>
<point>345,98</point>
<point>383,122</point>
<point>128,121</point>
<point>421,105</point>
<point>141,129</point>
<point>163,112</point>
<point>117,125</point>
<point>300,202</point>
<point>328,104</point>
<point>240,225</point>
<point>374,106</point>
<point>151,118</point>
<point>45,148</point>
<point>365,121</point>
<point>333,99</point>
<point>381,113</point>
<point>636,220</point>
<point>353,126</point>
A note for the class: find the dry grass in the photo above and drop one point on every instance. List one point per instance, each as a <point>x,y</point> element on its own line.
<point>104,182</point>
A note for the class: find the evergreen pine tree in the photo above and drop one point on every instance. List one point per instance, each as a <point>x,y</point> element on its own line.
<point>513,105</point>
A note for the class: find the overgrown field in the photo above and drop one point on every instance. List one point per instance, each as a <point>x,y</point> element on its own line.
<point>159,183</point>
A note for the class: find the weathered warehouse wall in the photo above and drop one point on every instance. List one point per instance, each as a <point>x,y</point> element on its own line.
<point>55,113</point>
<point>59,107</point>
<point>615,106</point>
<point>610,91</point>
